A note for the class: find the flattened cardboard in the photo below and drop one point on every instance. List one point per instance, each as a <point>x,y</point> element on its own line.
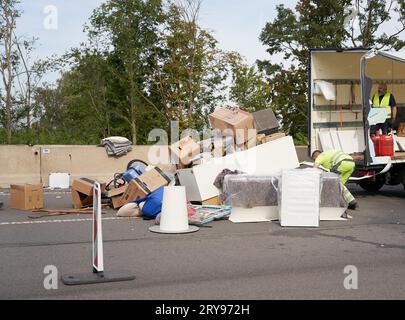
<point>27,196</point>
<point>216,201</point>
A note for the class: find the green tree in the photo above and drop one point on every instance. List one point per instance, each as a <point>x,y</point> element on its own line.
<point>8,59</point>
<point>249,89</point>
<point>128,32</point>
<point>191,70</point>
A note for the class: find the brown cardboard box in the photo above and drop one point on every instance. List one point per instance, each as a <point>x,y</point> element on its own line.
<point>247,145</point>
<point>260,137</point>
<point>26,196</point>
<point>145,184</point>
<point>116,192</point>
<point>184,150</point>
<point>273,137</point>
<point>216,201</point>
<point>116,196</point>
<point>117,202</point>
<point>401,130</point>
<point>216,145</point>
<point>234,122</point>
<point>82,192</point>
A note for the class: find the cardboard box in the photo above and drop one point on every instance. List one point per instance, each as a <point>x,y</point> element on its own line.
<point>116,197</point>
<point>235,122</point>
<point>82,192</point>
<point>117,202</point>
<point>184,150</point>
<point>218,146</point>
<point>26,196</point>
<point>260,137</point>
<point>247,145</point>
<point>273,137</point>
<point>216,201</point>
<point>145,184</point>
<point>201,158</point>
<point>401,130</point>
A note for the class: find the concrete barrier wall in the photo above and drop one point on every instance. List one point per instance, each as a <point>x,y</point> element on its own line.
<point>19,164</point>
<point>24,164</point>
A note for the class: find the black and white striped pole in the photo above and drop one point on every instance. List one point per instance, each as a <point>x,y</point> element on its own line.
<point>98,275</point>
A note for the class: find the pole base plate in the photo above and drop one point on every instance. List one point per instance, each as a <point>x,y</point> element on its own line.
<point>94,278</point>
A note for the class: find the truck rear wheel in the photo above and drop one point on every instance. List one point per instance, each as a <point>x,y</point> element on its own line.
<point>372,186</point>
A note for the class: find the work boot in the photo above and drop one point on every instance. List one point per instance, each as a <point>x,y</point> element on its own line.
<point>353,205</point>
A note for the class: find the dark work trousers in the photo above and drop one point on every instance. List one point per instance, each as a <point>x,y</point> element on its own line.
<point>386,127</point>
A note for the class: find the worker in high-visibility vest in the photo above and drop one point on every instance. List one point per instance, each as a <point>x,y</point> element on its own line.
<point>340,163</point>
<point>384,99</point>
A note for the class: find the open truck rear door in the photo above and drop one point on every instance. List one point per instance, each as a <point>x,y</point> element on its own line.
<point>341,84</point>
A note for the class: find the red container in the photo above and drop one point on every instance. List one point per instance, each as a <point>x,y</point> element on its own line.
<point>386,146</point>
<point>376,140</point>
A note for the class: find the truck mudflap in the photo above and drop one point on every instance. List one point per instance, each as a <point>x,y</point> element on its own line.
<point>371,174</point>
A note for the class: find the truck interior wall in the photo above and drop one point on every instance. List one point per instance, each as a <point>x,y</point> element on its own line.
<point>345,66</point>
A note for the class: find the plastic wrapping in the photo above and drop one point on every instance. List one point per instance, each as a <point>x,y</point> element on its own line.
<point>331,195</point>
<point>249,191</point>
<point>200,215</point>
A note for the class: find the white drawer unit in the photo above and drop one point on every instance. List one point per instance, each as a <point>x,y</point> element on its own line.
<point>300,198</point>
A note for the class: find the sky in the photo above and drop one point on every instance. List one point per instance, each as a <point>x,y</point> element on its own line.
<point>236,24</point>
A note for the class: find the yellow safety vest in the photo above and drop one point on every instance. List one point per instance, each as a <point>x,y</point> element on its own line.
<point>331,158</point>
<point>385,102</point>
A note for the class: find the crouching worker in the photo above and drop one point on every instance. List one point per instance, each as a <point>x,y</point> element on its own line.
<point>340,163</point>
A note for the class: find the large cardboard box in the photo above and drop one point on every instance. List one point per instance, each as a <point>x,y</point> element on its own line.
<point>82,192</point>
<point>26,196</point>
<point>184,150</point>
<point>235,122</point>
<point>145,184</point>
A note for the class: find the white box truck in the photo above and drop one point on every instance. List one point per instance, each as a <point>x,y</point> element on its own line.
<point>341,86</point>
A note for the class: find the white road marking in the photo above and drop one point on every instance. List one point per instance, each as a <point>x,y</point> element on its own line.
<point>51,193</point>
<point>57,221</point>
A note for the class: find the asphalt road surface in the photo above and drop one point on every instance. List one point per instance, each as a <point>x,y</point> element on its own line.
<point>224,261</point>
